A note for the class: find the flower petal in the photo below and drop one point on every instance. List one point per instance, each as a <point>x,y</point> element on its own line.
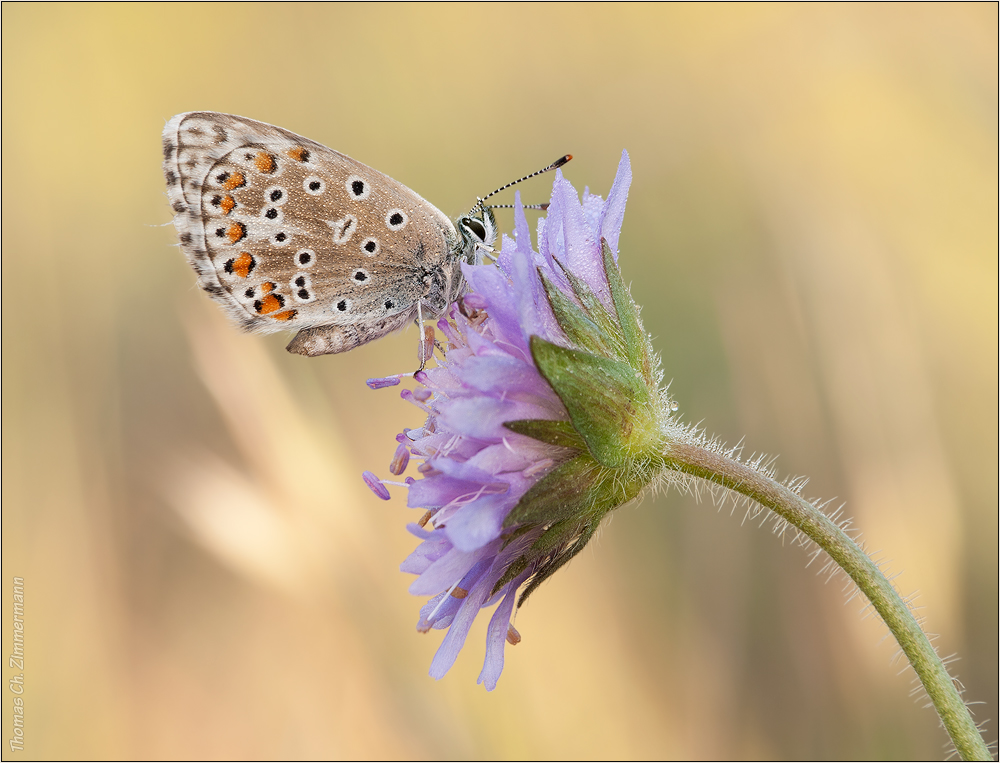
<point>445,571</point>
<point>496,635</point>
<point>614,207</point>
<point>484,417</point>
<point>580,250</point>
<point>454,640</point>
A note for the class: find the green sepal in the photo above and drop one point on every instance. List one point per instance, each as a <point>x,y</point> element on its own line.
<point>608,405</point>
<point>580,494</point>
<point>559,433</point>
<point>546,570</point>
<point>514,569</point>
<point>597,313</point>
<point>575,322</point>
<point>562,493</point>
<point>566,537</point>
<point>512,535</point>
<point>636,342</point>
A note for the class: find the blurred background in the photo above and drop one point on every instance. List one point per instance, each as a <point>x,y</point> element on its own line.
<point>811,229</point>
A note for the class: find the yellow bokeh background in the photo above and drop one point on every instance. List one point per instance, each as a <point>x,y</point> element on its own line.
<point>812,234</point>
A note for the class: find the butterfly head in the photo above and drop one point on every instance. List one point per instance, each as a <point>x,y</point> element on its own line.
<point>477,233</point>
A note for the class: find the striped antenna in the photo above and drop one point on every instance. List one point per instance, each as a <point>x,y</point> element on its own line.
<point>555,165</point>
<point>541,207</point>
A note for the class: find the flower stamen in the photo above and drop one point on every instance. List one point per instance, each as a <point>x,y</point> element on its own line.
<point>513,637</point>
<point>376,486</point>
<point>400,460</point>
<point>387,381</point>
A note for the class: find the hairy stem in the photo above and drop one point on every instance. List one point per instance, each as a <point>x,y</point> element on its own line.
<point>715,467</point>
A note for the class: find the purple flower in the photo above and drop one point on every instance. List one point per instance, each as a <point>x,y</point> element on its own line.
<point>544,415</point>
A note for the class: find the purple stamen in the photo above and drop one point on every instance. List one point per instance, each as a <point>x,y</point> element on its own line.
<point>400,460</point>
<point>385,381</point>
<point>376,486</point>
<point>407,395</point>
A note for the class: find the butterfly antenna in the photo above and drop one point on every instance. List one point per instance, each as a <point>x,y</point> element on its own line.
<point>554,166</point>
<point>541,207</point>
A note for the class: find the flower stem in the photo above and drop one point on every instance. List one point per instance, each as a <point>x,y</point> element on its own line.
<point>715,467</point>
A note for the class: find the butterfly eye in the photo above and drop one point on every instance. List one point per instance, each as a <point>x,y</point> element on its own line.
<point>475,227</point>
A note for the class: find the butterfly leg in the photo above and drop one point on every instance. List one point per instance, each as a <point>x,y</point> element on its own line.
<point>488,251</point>
<point>426,348</point>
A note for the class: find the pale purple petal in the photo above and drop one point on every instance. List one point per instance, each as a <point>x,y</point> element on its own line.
<point>440,490</point>
<point>593,208</point>
<point>454,640</point>
<point>445,571</point>
<point>493,286</point>
<point>614,207</point>
<point>515,453</point>
<point>496,635</point>
<point>522,233</point>
<point>439,608</point>
<point>580,251</point>
<point>483,417</point>
<point>475,525</point>
<point>532,304</point>
<point>500,374</point>
<point>428,552</point>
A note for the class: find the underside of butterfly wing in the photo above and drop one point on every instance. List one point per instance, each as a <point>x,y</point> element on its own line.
<point>286,233</point>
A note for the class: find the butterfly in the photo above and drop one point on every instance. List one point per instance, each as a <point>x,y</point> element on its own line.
<point>286,233</point>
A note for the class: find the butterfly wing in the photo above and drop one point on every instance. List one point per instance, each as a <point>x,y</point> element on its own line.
<point>286,233</point>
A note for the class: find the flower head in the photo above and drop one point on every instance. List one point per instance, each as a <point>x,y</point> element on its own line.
<point>544,415</point>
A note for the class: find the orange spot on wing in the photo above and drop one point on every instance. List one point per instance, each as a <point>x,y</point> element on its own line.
<point>269,304</point>
<point>265,163</point>
<point>236,180</point>
<point>227,204</point>
<point>267,287</point>
<point>242,265</point>
<point>236,232</point>
<point>286,315</point>
<point>298,153</point>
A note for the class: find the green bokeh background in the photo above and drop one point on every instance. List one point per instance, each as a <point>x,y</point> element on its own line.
<point>811,229</point>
